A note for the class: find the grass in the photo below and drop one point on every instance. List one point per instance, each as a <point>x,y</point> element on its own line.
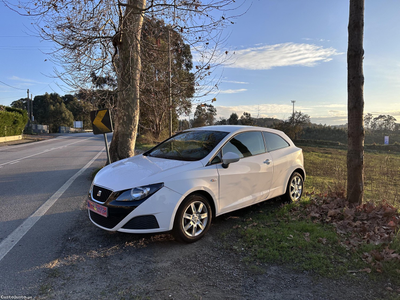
<point>143,146</point>
<point>276,238</point>
<point>327,172</point>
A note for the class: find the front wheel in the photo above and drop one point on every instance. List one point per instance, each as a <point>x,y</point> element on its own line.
<point>193,219</point>
<point>294,189</point>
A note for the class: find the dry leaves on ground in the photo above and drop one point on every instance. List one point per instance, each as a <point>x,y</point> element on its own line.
<point>365,224</point>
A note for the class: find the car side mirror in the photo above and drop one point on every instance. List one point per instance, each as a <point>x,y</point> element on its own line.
<point>229,158</point>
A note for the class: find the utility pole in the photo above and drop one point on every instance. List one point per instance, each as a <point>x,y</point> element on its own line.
<point>31,114</point>
<point>293,101</point>
<point>170,83</point>
<point>27,102</point>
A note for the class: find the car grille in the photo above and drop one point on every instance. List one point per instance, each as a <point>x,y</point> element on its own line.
<point>115,215</point>
<point>100,194</point>
<point>142,222</point>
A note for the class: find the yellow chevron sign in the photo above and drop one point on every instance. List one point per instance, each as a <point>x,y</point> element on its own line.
<point>101,121</point>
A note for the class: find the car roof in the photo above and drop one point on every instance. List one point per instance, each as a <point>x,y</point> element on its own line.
<point>234,128</point>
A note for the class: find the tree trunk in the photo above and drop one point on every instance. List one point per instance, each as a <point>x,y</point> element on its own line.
<point>128,67</point>
<point>355,104</point>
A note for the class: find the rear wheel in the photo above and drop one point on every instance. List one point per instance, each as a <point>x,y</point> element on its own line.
<point>294,189</point>
<point>193,219</point>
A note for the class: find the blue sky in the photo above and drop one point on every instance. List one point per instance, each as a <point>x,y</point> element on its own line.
<point>284,50</point>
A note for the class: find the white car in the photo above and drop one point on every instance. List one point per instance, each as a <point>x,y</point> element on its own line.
<point>183,183</point>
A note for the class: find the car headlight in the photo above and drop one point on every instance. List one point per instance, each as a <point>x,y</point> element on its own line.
<point>91,189</point>
<point>139,193</point>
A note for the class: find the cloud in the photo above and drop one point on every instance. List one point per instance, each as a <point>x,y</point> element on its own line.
<point>236,82</point>
<point>230,91</point>
<point>25,80</point>
<point>281,55</point>
<point>335,105</point>
<point>260,110</point>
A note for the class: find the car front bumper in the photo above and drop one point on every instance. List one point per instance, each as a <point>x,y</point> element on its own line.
<point>155,214</point>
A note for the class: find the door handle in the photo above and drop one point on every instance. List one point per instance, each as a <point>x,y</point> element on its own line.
<point>267,161</point>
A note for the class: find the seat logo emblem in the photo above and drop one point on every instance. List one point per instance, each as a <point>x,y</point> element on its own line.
<point>99,193</point>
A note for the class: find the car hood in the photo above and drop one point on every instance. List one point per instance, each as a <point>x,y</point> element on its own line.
<point>138,171</point>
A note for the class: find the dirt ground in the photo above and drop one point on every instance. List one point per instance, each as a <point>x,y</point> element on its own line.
<point>97,264</point>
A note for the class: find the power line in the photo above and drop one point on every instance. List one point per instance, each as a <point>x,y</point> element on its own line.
<point>12,86</point>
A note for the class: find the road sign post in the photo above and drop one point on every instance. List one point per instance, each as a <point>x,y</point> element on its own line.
<point>101,123</point>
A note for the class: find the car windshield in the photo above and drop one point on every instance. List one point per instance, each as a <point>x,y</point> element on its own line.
<point>188,145</point>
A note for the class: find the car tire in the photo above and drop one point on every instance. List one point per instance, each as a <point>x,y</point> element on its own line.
<point>193,219</point>
<point>294,188</point>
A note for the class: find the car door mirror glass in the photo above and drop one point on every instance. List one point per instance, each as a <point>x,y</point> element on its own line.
<point>229,158</point>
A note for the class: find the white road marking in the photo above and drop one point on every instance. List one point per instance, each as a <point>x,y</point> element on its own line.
<point>44,151</point>
<point>29,144</point>
<point>8,243</point>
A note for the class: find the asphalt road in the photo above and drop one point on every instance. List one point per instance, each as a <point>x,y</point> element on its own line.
<point>43,186</point>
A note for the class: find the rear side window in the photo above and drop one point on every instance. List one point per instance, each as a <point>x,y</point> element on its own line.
<point>274,141</point>
<point>246,144</point>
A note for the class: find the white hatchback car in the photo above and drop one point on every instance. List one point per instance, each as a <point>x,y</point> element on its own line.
<point>194,176</point>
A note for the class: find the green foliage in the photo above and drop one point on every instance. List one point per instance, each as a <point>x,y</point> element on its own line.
<point>59,115</point>
<point>267,122</point>
<point>56,111</point>
<point>12,121</point>
<point>233,119</point>
<point>80,110</point>
<point>246,119</point>
<point>325,133</point>
<point>295,125</point>
<point>21,104</point>
<point>204,115</point>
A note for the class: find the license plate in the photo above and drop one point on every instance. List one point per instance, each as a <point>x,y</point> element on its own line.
<point>97,208</point>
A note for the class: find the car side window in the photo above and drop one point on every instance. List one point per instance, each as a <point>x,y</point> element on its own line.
<point>274,141</point>
<point>246,144</point>
<point>217,159</point>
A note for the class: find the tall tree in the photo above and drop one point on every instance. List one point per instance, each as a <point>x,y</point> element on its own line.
<point>164,46</point>
<point>50,109</point>
<point>104,36</point>
<point>355,104</point>
<point>80,109</point>
<point>21,104</point>
<point>233,119</point>
<point>246,119</point>
<point>204,115</point>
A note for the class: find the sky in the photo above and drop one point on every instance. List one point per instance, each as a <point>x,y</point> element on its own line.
<point>280,51</point>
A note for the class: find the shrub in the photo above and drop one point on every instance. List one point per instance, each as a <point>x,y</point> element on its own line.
<point>12,121</point>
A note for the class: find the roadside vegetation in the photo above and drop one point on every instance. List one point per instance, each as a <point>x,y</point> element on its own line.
<point>320,234</point>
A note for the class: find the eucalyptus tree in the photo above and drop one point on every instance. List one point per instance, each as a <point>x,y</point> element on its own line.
<point>104,36</point>
<point>167,81</point>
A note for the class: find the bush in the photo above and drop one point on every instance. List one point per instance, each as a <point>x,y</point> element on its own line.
<point>12,121</point>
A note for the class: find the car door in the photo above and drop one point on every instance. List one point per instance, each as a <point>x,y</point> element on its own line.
<point>280,151</point>
<point>247,181</point>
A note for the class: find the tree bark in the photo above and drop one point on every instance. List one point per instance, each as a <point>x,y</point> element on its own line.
<point>355,104</point>
<point>128,67</point>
